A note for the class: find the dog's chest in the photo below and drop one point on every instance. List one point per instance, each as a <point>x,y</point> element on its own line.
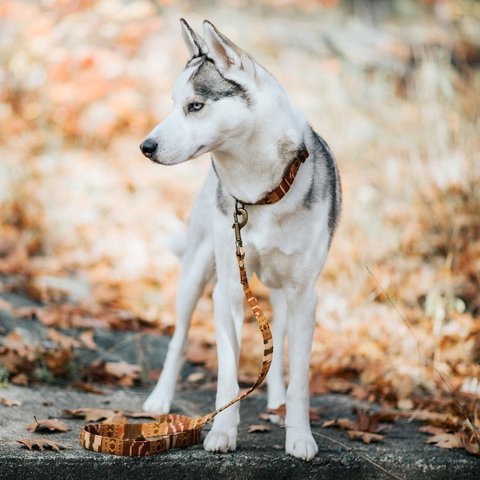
<point>274,248</point>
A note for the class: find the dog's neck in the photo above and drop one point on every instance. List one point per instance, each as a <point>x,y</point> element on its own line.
<point>253,163</point>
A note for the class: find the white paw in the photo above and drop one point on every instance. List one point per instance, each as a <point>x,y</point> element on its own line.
<point>157,403</point>
<point>221,441</point>
<point>301,445</point>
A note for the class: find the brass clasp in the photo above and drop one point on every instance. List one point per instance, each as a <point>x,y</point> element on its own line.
<point>240,219</point>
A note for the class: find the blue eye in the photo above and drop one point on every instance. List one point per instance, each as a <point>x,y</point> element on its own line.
<point>195,106</point>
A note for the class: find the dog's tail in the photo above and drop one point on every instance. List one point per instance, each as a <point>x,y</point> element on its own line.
<point>177,243</point>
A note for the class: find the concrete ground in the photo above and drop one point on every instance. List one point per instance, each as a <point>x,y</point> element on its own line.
<point>402,454</point>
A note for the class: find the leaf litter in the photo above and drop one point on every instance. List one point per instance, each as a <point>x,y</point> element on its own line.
<point>419,236</point>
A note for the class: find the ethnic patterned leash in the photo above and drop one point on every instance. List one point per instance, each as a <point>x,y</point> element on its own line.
<point>177,431</point>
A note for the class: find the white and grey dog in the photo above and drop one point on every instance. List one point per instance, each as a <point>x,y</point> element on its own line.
<point>227,104</point>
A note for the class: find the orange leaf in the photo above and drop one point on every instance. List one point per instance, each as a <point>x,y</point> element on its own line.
<point>47,425</point>
<point>10,403</point>
<point>40,444</point>
<point>365,437</point>
<point>446,440</point>
<point>91,414</point>
<point>260,428</point>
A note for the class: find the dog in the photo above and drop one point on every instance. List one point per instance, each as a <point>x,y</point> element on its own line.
<point>227,104</point>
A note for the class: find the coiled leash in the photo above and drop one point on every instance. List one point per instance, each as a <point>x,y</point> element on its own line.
<point>177,431</point>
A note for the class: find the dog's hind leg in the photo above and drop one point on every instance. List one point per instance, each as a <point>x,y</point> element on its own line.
<point>275,381</point>
<point>198,266</point>
<point>300,325</point>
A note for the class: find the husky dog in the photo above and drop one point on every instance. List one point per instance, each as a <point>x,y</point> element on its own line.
<point>227,104</point>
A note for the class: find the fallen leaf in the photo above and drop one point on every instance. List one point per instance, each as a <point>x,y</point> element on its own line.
<point>20,379</point>
<point>116,419</point>
<point>63,340</point>
<point>329,423</point>
<point>10,403</point>
<point>446,440</point>
<point>91,414</point>
<point>196,377</point>
<point>370,422</point>
<point>88,387</point>
<point>87,340</point>
<point>430,429</point>
<point>471,443</point>
<point>123,369</point>
<point>260,428</point>
<point>343,423</point>
<point>48,425</point>
<point>365,437</point>
<point>437,419</point>
<point>281,412</point>
<point>40,444</point>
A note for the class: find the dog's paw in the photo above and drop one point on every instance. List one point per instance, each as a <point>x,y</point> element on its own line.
<point>301,445</point>
<point>221,441</point>
<point>157,403</point>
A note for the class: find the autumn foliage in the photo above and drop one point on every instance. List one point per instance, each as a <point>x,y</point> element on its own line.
<point>84,218</point>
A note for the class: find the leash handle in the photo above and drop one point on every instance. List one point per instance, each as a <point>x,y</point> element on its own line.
<point>177,431</point>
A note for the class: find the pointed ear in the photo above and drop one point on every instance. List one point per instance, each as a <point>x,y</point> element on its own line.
<point>220,49</point>
<point>194,42</point>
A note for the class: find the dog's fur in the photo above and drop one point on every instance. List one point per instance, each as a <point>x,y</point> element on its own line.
<point>227,104</point>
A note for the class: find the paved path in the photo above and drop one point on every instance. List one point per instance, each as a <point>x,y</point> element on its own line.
<point>403,453</point>
<point>259,455</point>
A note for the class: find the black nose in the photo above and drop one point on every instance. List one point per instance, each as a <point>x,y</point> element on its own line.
<point>148,147</point>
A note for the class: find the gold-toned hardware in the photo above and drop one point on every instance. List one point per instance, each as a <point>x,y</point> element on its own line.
<point>238,224</point>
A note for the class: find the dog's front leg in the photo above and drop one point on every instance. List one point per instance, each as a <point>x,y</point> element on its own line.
<point>228,304</point>
<point>300,325</point>
<point>197,268</point>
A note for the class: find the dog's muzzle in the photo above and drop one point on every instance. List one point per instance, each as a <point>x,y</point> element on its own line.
<point>148,147</point>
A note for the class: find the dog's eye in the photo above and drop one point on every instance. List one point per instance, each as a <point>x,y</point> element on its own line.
<point>195,106</point>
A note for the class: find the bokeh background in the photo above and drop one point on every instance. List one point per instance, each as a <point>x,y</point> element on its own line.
<point>393,86</point>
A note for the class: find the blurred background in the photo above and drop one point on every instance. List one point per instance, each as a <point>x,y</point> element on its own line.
<point>393,86</point>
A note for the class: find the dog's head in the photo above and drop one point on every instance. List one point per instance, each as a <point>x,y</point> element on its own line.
<point>213,99</point>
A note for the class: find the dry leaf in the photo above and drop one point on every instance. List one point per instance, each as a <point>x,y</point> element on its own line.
<point>10,403</point>
<point>48,425</point>
<point>260,428</point>
<point>447,440</point>
<point>86,338</point>
<point>115,419</point>
<point>471,443</point>
<point>433,418</point>
<point>430,429</point>
<point>370,422</point>
<point>91,414</point>
<point>40,444</point>
<point>88,387</point>
<point>196,377</point>
<point>123,369</point>
<point>20,379</point>
<point>63,340</point>
<point>365,437</point>
<point>343,423</point>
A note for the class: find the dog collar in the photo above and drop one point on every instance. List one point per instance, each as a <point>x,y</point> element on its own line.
<point>288,178</point>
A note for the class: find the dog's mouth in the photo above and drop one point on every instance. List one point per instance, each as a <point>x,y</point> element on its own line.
<point>199,151</point>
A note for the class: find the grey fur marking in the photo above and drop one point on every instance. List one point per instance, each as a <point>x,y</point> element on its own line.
<point>222,202</point>
<point>325,181</point>
<point>210,84</point>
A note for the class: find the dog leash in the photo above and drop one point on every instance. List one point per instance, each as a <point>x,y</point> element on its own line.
<point>178,431</point>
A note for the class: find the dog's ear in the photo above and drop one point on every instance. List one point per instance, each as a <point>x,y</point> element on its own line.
<point>194,42</point>
<point>224,52</point>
